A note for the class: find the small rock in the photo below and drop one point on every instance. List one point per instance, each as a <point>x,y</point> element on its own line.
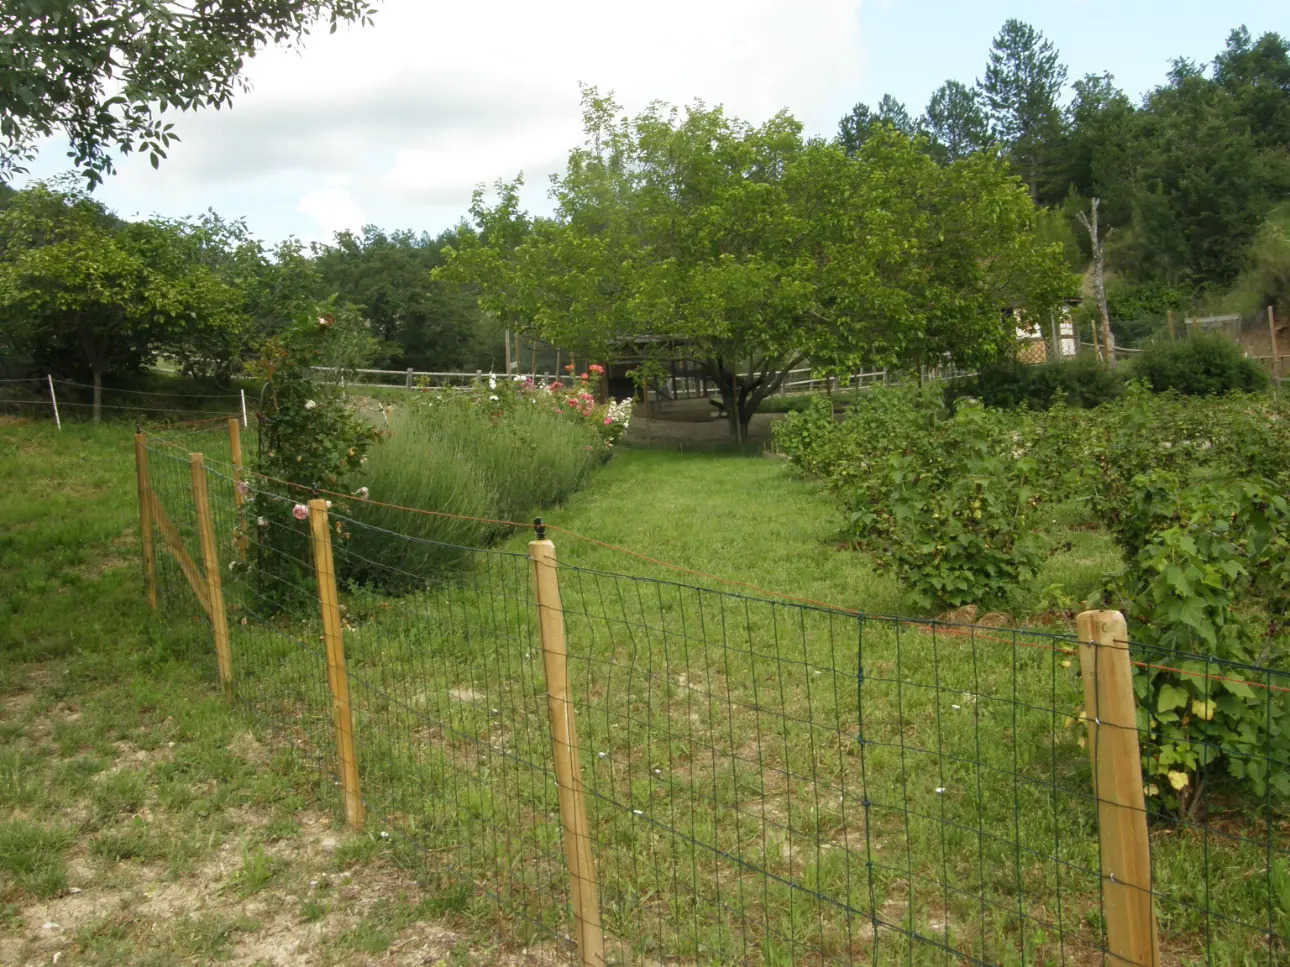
<point>50,925</point>
<point>327,844</point>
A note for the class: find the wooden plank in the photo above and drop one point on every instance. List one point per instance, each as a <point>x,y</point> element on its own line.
<point>210,563</point>
<point>337,679</point>
<point>584,890</point>
<point>145,520</point>
<point>175,544</point>
<point>1117,786</point>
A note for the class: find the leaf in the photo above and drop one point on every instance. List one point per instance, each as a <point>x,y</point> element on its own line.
<point>1204,709</point>
<point>1178,780</point>
<point>1170,697</point>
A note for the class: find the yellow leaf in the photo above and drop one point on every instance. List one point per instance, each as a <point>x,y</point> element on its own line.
<point>1204,709</point>
<point>1178,780</point>
<point>1152,789</point>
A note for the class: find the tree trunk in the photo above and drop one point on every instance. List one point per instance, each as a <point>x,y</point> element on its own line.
<point>1099,282</point>
<point>98,395</point>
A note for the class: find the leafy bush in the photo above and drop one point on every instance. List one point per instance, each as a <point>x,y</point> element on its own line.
<point>942,501</point>
<point>1207,364</point>
<point>1211,578</point>
<point>1082,382</point>
<point>489,454</point>
<point>309,435</point>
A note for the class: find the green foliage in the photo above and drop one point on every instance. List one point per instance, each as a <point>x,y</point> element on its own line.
<point>1083,382</point>
<point>944,502</point>
<point>1210,579</point>
<point>309,436</point>
<point>499,453</point>
<point>756,249</point>
<point>956,125</point>
<point>1021,88</point>
<point>81,292</point>
<point>104,72</point>
<point>425,324</point>
<point>1206,364</point>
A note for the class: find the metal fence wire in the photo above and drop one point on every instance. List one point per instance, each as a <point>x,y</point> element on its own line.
<point>764,781</point>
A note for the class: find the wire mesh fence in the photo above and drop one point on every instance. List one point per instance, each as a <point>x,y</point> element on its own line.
<point>754,781</point>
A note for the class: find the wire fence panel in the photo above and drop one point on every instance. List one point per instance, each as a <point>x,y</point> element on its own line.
<point>451,722</point>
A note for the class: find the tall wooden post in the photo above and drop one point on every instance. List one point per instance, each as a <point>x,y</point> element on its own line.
<point>210,565</point>
<point>145,520</point>
<point>1169,319</point>
<point>1117,786</point>
<point>1096,353</point>
<point>239,495</point>
<point>506,340</point>
<point>1272,336</point>
<point>568,766</point>
<point>337,679</point>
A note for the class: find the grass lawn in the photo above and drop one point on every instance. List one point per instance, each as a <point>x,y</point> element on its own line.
<point>768,782</point>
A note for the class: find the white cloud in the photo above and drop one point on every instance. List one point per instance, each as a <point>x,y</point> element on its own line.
<point>334,210</point>
<point>413,112</point>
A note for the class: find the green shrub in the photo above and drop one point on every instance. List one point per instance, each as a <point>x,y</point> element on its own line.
<point>1211,578</point>
<point>944,502</point>
<point>1207,364</point>
<point>1082,382</point>
<point>450,455</point>
<point>309,436</point>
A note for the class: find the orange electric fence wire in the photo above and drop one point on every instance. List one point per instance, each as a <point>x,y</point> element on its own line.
<point>955,630</point>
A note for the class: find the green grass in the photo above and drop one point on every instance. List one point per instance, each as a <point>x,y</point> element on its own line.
<point>735,818</point>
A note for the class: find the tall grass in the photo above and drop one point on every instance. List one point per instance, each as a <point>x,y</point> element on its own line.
<point>453,457</point>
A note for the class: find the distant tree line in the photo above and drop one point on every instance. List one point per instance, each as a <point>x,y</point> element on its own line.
<point>1193,178</point>
<point>85,292</point>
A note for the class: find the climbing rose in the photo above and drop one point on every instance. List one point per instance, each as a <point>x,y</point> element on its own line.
<point>300,512</point>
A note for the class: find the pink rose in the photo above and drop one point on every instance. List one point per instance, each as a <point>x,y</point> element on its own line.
<point>607,421</point>
<point>300,512</point>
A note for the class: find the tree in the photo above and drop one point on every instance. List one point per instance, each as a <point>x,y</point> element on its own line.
<point>1100,154</point>
<point>388,277</point>
<point>1257,75</point>
<point>1023,82</point>
<point>104,72</point>
<point>1097,239</point>
<point>80,290</point>
<point>859,125</point>
<point>956,125</point>
<point>750,250</point>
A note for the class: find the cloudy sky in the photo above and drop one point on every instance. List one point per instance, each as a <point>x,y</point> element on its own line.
<point>396,124</point>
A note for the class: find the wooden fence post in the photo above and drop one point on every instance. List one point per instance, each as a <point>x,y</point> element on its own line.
<point>210,565</point>
<point>1117,786</point>
<point>1169,320</point>
<point>145,520</point>
<point>239,497</point>
<point>337,680</point>
<point>568,765</point>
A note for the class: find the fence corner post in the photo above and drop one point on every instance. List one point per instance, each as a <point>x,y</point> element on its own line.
<point>337,679</point>
<point>210,565</point>
<point>1111,717</point>
<point>584,887</point>
<point>145,520</point>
